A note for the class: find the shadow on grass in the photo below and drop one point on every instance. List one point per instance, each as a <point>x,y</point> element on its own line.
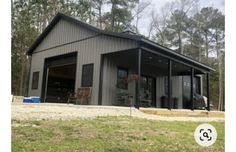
<point>116,149</point>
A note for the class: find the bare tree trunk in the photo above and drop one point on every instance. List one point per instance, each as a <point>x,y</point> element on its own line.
<point>37,22</point>
<point>22,75</point>
<point>141,7</point>
<point>90,12</point>
<point>199,53</point>
<point>44,15</point>
<point>206,46</point>
<point>150,29</point>
<point>113,16</point>
<point>26,77</point>
<point>220,85</point>
<point>136,24</point>
<point>220,68</point>
<point>181,50</point>
<point>100,16</point>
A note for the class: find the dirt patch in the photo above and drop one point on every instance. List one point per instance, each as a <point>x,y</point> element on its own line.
<point>183,113</point>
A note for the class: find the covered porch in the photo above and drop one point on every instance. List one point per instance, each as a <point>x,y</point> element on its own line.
<point>152,77</point>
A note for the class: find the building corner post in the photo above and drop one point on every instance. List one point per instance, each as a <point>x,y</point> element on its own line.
<point>101,80</point>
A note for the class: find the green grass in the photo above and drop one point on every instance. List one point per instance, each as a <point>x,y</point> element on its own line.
<point>110,134</point>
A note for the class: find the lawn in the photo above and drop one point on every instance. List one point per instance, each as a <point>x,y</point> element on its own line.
<point>109,134</point>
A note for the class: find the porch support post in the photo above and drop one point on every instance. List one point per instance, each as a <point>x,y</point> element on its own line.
<point>191,88</point>
<point>208,91</point>
<point>139,78</point>
<point>101,80</point>
<point>169,83</point>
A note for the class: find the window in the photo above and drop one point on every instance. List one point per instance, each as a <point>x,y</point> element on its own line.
<point>122,75</point>
<point>87,75</point>
<point>35,80</point>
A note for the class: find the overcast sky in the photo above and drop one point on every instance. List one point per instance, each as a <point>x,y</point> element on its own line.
<point>158,4</point>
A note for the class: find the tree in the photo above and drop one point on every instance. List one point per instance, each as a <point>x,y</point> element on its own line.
<point>194,41</point>
<point>177,26</point>
<point>171,24</point>
<point>138,13</point>
<point>159,26</point>
<point>23,34</point>
<point>218,40</point>
<point>120,16</point>
<point>97,5</point>
<point>177,23</point>
<point>205,18</point>
<point>80,9</point>
<point>212,29</point>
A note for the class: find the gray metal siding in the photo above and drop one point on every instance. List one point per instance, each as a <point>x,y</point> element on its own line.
<point>60,34</point>
<point>89,51</point>
<point>160,90</point>
<point>110,81</point>
<point>201,85</point>
<point>176,89</point>
<point>36,65</point>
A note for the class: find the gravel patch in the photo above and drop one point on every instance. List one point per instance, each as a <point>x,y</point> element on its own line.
<point>51,111</point>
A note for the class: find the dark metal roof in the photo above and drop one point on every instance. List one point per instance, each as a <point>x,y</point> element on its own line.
<point>141,39</point>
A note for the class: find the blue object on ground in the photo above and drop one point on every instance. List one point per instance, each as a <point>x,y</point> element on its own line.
<point>31,100</point>
<point>35,99</point>
<point>27,100</point>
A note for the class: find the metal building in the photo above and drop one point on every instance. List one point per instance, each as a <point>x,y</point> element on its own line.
<point>71,54</point>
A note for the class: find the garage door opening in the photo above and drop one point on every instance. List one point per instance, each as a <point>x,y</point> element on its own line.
<point>60,82</point>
